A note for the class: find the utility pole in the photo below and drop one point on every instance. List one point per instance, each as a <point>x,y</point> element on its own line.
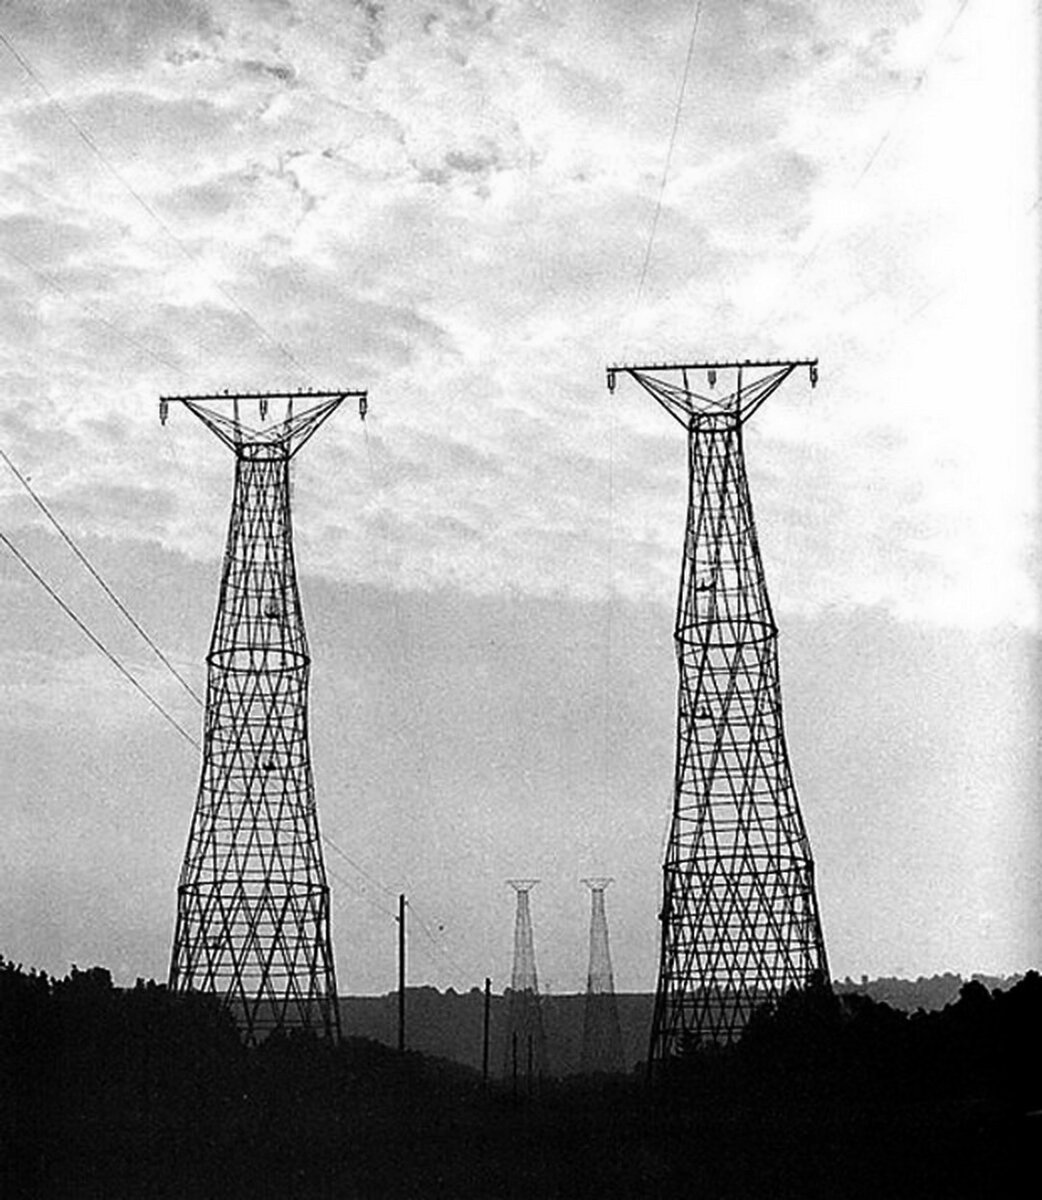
<point>253,923</point>
<point>401,972</point>
<point>739,916</point>
<point>485,1031</point>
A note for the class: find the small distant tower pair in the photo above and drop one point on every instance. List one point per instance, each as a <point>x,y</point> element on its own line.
<point>602,1035</point>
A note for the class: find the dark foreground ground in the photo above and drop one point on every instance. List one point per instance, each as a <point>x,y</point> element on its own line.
<point>109,1093</point>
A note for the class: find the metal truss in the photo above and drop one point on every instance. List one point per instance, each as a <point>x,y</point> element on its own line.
<point>253,919</point>
<point>739,917</point>
<point>602,1033</point>
<point>524,1049</point>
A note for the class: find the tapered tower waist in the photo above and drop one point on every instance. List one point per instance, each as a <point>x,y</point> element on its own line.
<point>253,921</point>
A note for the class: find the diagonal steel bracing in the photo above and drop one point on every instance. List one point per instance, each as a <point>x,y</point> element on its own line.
<point>253,900</point>
<point>524,1047</point>
<point>602,1033</point>
<point>739,916</point>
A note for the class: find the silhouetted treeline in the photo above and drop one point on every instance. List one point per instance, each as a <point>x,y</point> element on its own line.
<point>983,1045</point>
<point>449,1024</point>
<point>137,1092</point>
<point>112,1092</point>
<point>928,992</point>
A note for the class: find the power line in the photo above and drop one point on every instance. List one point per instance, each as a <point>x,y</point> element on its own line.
<point>96,641</point>
<point>363,895</point>
<point>49,279</point>
<point>910,95</point>
<point>67,538</point>
<point>121,179</point>
<point>358,867</point>
<point>873,157</point>
<point>669,154</point>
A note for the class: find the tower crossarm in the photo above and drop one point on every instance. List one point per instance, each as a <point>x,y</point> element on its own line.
<point>522,885</point>
<point>296,417</point>
<point>671,385</point>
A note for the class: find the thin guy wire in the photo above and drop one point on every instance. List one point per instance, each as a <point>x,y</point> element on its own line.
<point>67,538</point>
<point>89,141</point>
<point>96,641</point>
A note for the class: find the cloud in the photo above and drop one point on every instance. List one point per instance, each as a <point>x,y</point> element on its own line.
<point>452,205</point>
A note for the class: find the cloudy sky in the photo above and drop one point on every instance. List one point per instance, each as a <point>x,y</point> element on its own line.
<point>452,205</point>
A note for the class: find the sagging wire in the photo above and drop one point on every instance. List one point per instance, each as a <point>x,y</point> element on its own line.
<point>85,136</point>
<point>95,574</point>
<point>97,642</point>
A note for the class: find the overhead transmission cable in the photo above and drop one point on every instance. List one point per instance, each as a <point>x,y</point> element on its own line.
<point>154,703</point>
<point>645,265</point>
<point>352,862</point>
<point>873,157</point>
<point>85,136</point>
<point>669,154</point>
<point>94,573</point>
<point>97,642</point>
<point>50,281</point>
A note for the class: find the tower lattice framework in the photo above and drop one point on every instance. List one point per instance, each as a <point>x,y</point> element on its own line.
<point>602,1033</point>
<point>739,916</point>
<point>253,923</point>
<point>525,1042</point>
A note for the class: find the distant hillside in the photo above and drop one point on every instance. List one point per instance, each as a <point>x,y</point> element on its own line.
<point>930,993</point>
<point>449,1024</point>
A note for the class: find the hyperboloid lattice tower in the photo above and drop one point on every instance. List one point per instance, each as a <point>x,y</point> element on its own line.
<point>739,914</point>
<point>524,1048</point>
<point>252,899</point>
<point>602,1034</point>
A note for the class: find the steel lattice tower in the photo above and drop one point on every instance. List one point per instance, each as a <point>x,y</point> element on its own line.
<point>602,1034</point>
<point>253,920</point>
<point>525,1037</point>
<point>739,915</point>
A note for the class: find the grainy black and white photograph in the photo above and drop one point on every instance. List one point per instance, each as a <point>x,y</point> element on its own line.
<point>519,598</point>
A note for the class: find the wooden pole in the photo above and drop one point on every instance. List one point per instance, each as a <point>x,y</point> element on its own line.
<point>401,972</point>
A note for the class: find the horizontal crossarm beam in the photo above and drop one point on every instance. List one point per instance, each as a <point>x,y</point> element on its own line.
<point>669,384</point>
<point>284,437</point>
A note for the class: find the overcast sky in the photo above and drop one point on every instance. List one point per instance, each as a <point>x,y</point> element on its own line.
<point>451,204</point>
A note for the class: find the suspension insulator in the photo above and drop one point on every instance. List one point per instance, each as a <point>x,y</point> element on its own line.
<point>363,406</point>
<point>813,374</point>
<point>164,411</point>
<point>712,378</point>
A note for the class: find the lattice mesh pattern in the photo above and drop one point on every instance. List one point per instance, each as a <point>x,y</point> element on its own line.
<point>524,1043</point>
<point>739,917</point>
<point>602,1033</point>
<point>253,900</point>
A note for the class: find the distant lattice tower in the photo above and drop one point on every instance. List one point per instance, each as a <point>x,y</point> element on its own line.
<point>253,900</point>
<point>602,1034</point>
<point>525,1043</point>
<point>739,915</point>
